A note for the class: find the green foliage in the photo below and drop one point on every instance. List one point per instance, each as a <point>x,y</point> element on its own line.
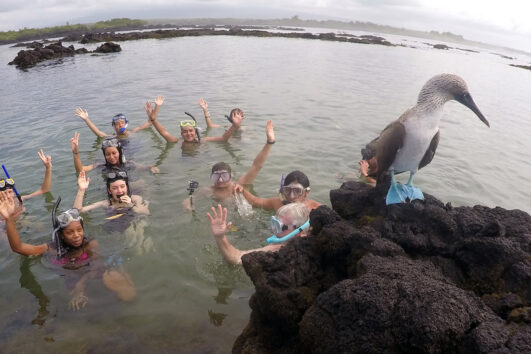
<point>32,33</point>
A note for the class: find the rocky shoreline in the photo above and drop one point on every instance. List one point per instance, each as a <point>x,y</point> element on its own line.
<point>422,277</point>
<point>38,52</point>
<point>27,59</point>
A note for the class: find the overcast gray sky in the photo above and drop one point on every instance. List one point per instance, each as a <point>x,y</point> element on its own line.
<point>498,22</point>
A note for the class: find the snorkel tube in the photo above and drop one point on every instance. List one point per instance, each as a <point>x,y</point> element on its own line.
<point>56,227</point>
<point>196,128</point>
<point>275,239</point>
<point>14,189</point>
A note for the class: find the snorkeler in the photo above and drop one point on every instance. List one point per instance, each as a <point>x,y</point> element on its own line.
<point>230,117</point>
<point>222,185</point>
<point>119,122</point>
<point>294,188</point>
<point>113,154</point>
<point>120,198</point>
<point>72,250</point>
<point>291,220</point>
<point>189,128</point>
<point>8,184</point>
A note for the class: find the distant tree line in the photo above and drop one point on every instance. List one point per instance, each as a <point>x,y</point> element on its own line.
<point>114,24</point>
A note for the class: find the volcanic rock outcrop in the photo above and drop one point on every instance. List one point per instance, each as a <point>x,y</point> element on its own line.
<point>39,53</point>
<point>421,277</point>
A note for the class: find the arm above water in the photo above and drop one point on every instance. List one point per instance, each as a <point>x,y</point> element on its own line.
<point>47,181</point>
<point>208,121</point>
<point>7,210</point>
<point>236,123</point>
<point>152,114</point>
<point>83,114</point>
<point>260,159</point>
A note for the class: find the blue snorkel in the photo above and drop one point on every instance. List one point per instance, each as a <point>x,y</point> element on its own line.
<point>275,239</point>
<point>14,189</point>
<point>118,117</point>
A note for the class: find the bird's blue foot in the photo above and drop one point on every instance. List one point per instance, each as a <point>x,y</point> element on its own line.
<point>413,192</point>
<point>397,194</point>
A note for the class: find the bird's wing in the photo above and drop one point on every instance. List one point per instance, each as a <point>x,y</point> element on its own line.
<point>430,152</point>
<point>389,142</point>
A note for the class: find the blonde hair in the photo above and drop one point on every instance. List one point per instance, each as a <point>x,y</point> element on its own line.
<point>297,213</point>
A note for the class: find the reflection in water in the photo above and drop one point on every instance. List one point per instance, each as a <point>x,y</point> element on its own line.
<point>216,318</point>
<point>27,280</point>
<point>223,295</point>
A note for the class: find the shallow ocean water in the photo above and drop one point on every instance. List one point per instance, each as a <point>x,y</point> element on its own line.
<point>326,100</point>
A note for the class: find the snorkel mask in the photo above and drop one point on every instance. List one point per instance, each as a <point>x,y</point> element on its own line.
<point>9,183</point>
<point>60,222</point>
<point>278,227</point>
<point>221,174</point>
<point>112,141</point>
<point>191,123</point>
<point>120,116</point>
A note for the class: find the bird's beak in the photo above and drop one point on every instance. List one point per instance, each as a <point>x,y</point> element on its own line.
<point>467,100</point>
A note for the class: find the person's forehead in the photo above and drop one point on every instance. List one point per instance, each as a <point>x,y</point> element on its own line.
<point>119,182</point>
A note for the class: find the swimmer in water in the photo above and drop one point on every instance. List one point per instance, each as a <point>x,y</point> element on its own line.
<point>290,221</point>
<point>189,130</point>
<point>293,189</point>
<point>8,184</point>
<point>222,185</point>
<point>119,122</point>
<point>112,152</point>
<point>72,250</point>
<point>119,194</point>
<point>230,117</point>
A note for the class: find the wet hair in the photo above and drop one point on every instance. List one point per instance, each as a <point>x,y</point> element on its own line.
<point>297,213</point>
<point>297,176</point>
<point>58,240</point>
<point>221,166</point>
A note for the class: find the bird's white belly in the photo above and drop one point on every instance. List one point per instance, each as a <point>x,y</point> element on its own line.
<point>417,140</point>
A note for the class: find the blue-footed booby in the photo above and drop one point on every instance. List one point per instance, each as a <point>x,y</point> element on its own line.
<point>409,143</point>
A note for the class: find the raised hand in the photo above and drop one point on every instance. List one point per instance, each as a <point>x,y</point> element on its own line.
<point>218,221</point>
<point>270,132</point>
<point>203,104</point>
<point>7,205</point>
<point>77,302</point>
<point>81,113</point>
<point>83,181</point>
<point>237,118</point>
<point>74,143</point>
<point>46,159</point>
<point>149,111</point>
<point>154,169</point>
<point>159,100</point>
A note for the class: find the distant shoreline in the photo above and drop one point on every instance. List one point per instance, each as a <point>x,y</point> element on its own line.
<point>125,24</point>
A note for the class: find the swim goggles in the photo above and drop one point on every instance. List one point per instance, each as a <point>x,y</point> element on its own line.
<point>65,218</point>
<point>110,142</point>
<point>278,227</point>
<point>216,176</point>
<point>297,191</point>
<point>188,123</point>
<point>117,175</point>
<point>6,183</point>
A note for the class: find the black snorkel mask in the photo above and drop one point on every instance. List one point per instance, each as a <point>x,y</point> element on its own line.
<point>196,128</point>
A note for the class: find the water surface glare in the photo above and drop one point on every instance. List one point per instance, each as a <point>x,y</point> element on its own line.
<point>326,99</point>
